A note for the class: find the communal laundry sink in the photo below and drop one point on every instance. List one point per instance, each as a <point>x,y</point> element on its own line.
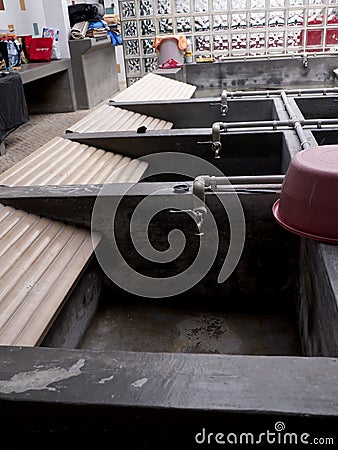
<point>242,153</point>
<point>326,137</point>
<point>253,312</point>
<point>323,107</point>
<point>265,306</point>
<point>203,112</point>
<point>133,369</point>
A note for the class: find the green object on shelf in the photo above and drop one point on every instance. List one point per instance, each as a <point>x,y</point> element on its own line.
<point>36,29</point>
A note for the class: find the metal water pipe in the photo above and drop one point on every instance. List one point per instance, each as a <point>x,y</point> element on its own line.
<point>295,122</point>
<point>237,184</point>
<point>277,92</point>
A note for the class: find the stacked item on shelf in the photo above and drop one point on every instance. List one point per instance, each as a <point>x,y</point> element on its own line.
<point>10,50</point>
<point>96,28</point>
<point>79,30</point>
<point>94,24</point>
<point>86,20</point>
<point>83,12</point>
<point>16,50</point>
<point>114,24</point>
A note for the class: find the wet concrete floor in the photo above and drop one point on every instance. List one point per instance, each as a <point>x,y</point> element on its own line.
<point>159,326</point>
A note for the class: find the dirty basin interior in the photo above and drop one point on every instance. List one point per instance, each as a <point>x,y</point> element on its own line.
<point>253,312</point>
<point>326,137</point>
<point>324,107</point>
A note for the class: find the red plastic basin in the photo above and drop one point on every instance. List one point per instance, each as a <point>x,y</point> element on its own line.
<point>308,205</point>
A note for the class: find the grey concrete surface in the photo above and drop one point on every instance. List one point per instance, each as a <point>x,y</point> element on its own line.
<point>263,73</point>
<point>94,70</point>
<point>49,86</point>
<point>317,301</point>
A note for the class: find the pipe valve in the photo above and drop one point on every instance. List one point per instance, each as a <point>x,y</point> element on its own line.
<point>216,147</point>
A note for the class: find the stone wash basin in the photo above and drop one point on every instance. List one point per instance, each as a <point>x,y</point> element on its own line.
<point>203,112</point>
<point>243,153</point>
<point>134,372</point>
<point>254,352</point>
<point>325,107</point>
<point>251,313</point>
<point>326,137</point>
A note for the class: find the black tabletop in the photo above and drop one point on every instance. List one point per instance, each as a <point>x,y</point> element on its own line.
<point>13,107</point>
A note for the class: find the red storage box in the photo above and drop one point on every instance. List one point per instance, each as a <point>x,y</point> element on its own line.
<point>40,49</point>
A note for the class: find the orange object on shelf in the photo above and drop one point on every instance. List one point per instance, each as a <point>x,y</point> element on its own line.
<point>182,42</point>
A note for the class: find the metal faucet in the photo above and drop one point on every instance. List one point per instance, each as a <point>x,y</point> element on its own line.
<point>224,103</point>
<point>216,139</point>
<point>305,60</point>
<point>199,210</point>
<point>217,147</point>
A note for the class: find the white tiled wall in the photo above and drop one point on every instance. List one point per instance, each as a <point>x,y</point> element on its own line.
<point>56,13</point>
<point>23,20</point>
<point>120,61</point>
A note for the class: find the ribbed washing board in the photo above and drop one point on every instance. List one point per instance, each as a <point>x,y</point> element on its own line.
<point>40,262</point>
<point>155,87</point>
<point>109,118</point>
<point>63,162</point>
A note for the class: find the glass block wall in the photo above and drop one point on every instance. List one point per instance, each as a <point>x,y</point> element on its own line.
<point>227,28</point>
